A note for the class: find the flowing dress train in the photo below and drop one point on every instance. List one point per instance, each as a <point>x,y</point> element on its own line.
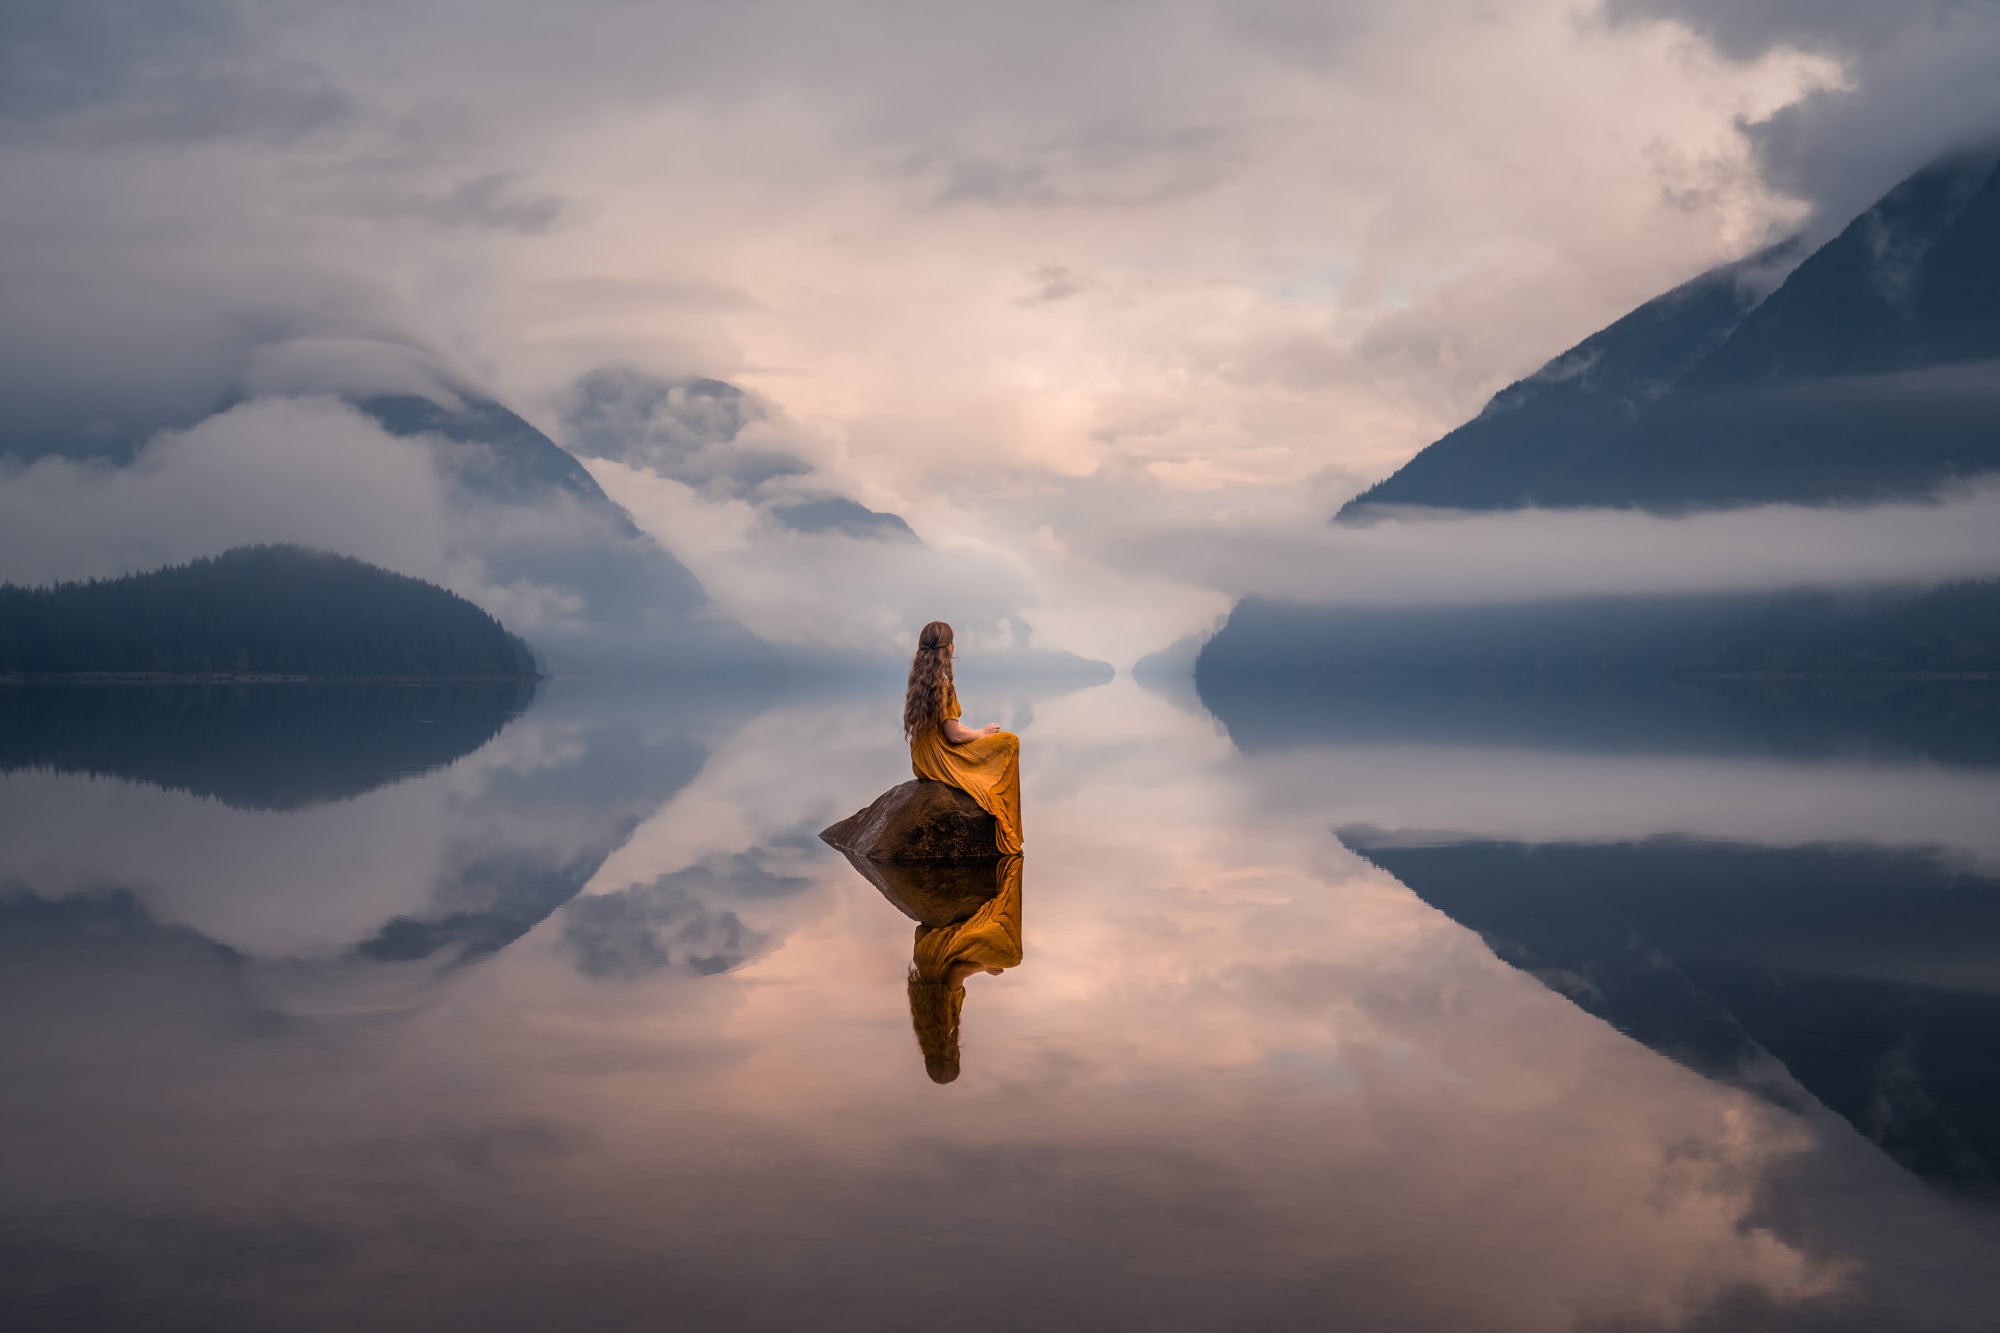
<point>987,769</point>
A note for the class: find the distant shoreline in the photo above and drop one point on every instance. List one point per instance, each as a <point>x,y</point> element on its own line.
<point>1240,674</point>
<point>236,678</point>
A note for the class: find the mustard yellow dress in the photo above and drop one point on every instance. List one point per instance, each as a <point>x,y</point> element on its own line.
<point>987,769</point>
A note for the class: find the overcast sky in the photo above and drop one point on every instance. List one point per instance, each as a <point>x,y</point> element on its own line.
<point>1023,274</point>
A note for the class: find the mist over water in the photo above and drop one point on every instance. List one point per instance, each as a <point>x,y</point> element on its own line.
<point>1459,1004</point>
<point>1482,519</point>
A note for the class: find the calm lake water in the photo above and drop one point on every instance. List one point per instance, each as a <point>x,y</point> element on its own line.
<point>1369,1005</point>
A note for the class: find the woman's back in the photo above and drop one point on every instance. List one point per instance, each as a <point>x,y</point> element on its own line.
<point>985,764</point>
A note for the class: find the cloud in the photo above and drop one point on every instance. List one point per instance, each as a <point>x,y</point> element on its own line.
<point>1745,29</point>
<point>490,843</point>
<point>797,583</point>
<point>677,920</point>
<point>183,71</point>
<point>495,201</point>
<point>682,429</point>
<point>1425,791</point>
<point>554,566</point>
<point>1055,282</point>
<point>1108,166</point>
<point>1917,83</point>
<point>713,437</point>
<point>311,471</point>
<point>1031,280</point>
<point>1437,558</point>
<point>350,367</point>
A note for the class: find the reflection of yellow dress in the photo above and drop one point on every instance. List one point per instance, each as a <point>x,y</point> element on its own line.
<point>990,937</point>
<point>945,955</point>
<point>987,769</point>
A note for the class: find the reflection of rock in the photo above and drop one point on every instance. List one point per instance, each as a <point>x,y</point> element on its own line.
<point>931,893</point>
<point>918,821</point>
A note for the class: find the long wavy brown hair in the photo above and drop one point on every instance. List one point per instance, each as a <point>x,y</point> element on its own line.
<point>930,680</point>
<point>934,1013</point>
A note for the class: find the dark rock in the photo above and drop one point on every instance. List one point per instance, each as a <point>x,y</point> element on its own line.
<point>933,893</point>
<point>918,821</point>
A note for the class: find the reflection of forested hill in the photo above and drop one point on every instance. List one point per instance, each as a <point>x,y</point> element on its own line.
<point>1869,973</point>
<point>625,755</point>
<point>456,867</point>
<point>1950,722</point>
<point>256,610</point>
<point>268,746</point>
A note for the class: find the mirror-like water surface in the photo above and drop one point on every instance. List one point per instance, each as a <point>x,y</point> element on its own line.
<point>1372,1005</point>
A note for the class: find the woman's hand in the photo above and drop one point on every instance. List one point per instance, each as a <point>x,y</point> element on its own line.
<point>990,729</point>
<point>958,733</point>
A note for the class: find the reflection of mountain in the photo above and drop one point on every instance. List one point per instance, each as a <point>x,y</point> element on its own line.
<point>1947,722</point>
<point>1872,370</point>
<point>1871,975</point>
<point>489,896</point>
<point>256,610</point>
<point>1169,672</point>
<point>453,866</point>
<point>271,746</point>
<point>676,920</point>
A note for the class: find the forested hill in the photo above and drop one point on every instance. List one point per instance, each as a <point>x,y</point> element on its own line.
<point>256,611</point>
<point>1950,630</point>
<point>1871,371</point>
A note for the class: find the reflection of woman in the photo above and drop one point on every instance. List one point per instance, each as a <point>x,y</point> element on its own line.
<point>985,764</point>
<point>988,941</point>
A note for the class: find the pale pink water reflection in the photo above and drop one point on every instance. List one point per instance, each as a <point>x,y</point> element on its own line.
<point>1242,1078</point>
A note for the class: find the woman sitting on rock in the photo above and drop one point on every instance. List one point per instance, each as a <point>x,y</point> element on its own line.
<point>984,764</point>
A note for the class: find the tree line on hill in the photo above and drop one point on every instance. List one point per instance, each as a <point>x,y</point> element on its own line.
<point>1952,629</point>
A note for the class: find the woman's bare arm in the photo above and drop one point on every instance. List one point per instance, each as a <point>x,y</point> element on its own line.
<point>958,733</point>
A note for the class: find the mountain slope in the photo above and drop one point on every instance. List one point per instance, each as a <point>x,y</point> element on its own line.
<point>1872,371</point>
<point>1912,283</point>
<point>505,458</point>
<point>1537,427</point>
<point>256,610</point>
<point>719,440</point>
<point>535,520</point>
<point>495,457</point>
